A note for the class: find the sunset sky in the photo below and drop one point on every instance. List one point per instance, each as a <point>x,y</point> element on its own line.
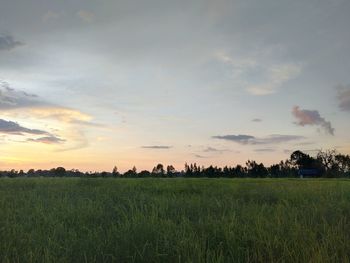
<point>91,84</point>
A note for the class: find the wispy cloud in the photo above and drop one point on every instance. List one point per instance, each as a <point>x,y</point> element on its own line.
<point>7,42</point>
<point>12,99</point>
<point>249,139</point>
<point>344,97</point>
<point>258,76</point>
<point>157,147</point>
<point>79,142</point>
<point>86,16</point>
<point>256,120</point>
<point>61,114</point>
<point>311,118</point>
<point>241,138</point>
<point>265,150</point>
<point>200,156</point>
<point>275,77</point>
<point>213,150</point>
<point>50,15</point>
<point>21,104</point>
<point>47,140</point>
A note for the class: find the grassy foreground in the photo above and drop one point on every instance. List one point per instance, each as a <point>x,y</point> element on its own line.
<point>174,220</point>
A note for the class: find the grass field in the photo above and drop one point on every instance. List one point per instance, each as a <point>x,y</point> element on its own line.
<point>174,220</point>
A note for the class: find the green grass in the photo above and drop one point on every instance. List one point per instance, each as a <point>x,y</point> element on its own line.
<point>174,220</point>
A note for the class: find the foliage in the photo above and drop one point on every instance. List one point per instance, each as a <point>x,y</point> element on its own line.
<point>329,163</point>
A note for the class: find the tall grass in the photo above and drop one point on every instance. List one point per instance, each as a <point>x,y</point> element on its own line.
<point>174,220</point>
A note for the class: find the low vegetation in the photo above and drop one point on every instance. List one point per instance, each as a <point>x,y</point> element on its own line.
<point>174,220</point>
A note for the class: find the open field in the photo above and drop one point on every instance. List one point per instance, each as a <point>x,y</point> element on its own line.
<point>174,220</point>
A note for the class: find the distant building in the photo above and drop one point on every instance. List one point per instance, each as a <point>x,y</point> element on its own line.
<point>309,173</point>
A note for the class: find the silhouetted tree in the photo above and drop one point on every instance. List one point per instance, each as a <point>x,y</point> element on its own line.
<point>130,173</point>
<point>333,163</point>
<point>343,162</point>
<point>31,173</point>
<point>59,171</point>
<point>256,170</point>
<point>158,170</point>
<point>115,172</point>
<point>170,170</point>
<point>188,170</point>
<point>327,159</point>
<point>144,173</point>
<point>302,160</point>
<point>275,170</point>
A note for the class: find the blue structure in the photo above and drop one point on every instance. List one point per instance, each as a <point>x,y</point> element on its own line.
<point>309,172</point>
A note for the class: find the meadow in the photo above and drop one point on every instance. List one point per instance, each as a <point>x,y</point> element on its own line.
<point>174,220</point>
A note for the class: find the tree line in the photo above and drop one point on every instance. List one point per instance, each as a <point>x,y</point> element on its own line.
<point>327,163</point>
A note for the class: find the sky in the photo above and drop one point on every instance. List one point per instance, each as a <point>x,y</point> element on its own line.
<point>90,84</point>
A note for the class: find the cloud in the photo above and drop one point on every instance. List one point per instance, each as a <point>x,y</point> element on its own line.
<point>7,42</point>
<point>78,146</point>
<point>21,104</point>
<point>241,138</point>
<point>211,149</point>
<point>278,138</point>
<point>256,120</point>
<point>11,98</point>
<point>265,150</point>
<point>47,140</point>
<point>258,75</point>
<point>86,16</point>
<point>50,15</point>
<point>214,150</point>
<point>62,114</point>
<point>200,156</point>
<point>251,140</point>
<point>344,97</point>
<point>306,143</point>
<point>10,127</point>
<point>275,77</point>
<point>311,117</point>
<point>158,147</point>
<point>80,142</point>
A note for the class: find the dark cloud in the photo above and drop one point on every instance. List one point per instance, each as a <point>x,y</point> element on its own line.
<point>159,147</point>
<point>312,118</point>
<point>242,139</point>
<point>10,127</point>
<point>47,140</point>
<point>7,42</point>
<point>256,120</point>
<point>12,99</point>
<point>248,139</point>
<point>344,97</point>
<point>13,128</point>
